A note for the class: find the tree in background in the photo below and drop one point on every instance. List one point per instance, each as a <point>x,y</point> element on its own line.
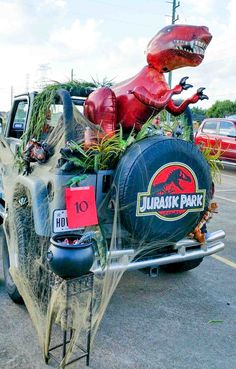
<point>198,114</point>
<point>221,109</point>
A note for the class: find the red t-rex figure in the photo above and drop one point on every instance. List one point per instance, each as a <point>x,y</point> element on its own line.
<point>132,102</point>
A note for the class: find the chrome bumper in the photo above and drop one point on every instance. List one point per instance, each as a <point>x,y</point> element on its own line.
<point>186,249</point>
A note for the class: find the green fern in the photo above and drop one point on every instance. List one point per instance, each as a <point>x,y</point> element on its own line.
<point>46,98</point>
<point>212,155</point>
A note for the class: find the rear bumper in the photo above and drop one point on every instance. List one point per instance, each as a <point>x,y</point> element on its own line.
<point>228,163</point>
<point>184,250</point>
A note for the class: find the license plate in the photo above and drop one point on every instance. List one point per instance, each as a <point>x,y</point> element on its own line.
<point>60,222</point>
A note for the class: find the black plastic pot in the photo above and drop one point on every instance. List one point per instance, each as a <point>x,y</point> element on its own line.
<point>68,260</point>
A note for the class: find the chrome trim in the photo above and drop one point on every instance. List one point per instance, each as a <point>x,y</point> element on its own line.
<point>121,260</point>
<point>228,163</point>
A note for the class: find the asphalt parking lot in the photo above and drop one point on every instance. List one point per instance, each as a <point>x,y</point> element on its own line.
<point>184,321</point>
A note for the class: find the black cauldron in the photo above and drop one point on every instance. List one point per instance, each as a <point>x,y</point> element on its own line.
<point>69,260</point>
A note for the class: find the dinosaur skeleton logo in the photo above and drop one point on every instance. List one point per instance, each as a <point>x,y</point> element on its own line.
<point>172,193</point>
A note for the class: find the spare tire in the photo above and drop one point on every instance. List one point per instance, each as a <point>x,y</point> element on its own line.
<point>162,186</point>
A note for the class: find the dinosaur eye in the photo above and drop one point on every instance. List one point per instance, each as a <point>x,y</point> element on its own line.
<point>168,29</point>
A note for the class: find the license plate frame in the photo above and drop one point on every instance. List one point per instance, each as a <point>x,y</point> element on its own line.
<point>60,222</point>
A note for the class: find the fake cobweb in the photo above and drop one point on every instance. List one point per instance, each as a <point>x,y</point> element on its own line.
<point>44,293</point>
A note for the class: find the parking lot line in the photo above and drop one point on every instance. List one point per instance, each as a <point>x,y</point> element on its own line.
<point>225,198</point>
<point>224,260</point>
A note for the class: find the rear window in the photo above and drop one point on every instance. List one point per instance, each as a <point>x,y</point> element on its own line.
<point>226,128</point>
<point>209,127</point>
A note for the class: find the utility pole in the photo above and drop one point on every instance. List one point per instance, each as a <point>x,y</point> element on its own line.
<point>12,94</point>
<point>173,20</point>
<point>72,74</point>
<point>27,78</point>
<point>43,75</point>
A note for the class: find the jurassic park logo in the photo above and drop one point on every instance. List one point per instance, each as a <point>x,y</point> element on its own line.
<point>172,193</point>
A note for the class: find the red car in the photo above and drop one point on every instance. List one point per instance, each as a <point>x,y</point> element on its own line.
<point>219,132</point>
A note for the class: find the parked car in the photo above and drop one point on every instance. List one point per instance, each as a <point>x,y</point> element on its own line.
<point>219,132</point>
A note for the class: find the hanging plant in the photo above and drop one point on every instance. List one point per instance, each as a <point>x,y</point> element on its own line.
<point>43,101</point>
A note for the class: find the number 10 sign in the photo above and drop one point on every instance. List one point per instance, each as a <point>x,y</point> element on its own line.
<point>81,207</point>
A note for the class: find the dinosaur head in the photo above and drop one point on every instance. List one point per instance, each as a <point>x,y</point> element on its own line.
<point>180,175</point>
<point>178,46</point>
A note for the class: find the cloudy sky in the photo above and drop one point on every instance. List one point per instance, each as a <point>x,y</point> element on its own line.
<point>106,39</point>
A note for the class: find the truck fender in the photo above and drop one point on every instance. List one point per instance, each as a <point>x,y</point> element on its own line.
<point>38,193</point>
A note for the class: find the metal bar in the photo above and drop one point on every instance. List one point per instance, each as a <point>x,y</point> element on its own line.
<point>51,356</point>
<point>64,344</point>
<point>90,326</point>
<point>67,334</point>
<point>65,331</point>
<point>81,348</point>
<point>176,258</point>
<point>70,362</point>
<point>76,359</point>
<point>57,346</point>
<point>119,253</point>
<point>213,236</point>
<point>229,163</point>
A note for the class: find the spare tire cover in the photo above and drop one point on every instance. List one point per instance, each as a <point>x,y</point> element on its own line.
<point>163,185</point>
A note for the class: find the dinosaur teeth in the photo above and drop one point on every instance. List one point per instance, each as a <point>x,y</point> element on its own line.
<point>201,44</point>
<point>192,47</point>
<point>196,47</point>
<point>191,43</point>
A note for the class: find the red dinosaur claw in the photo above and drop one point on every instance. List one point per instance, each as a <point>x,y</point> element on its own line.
<point>183,81</point>
<point>187,86</point>
<point>201,95</point>
<point>200,90</point>
<point>204,97</point>
<point>184,85</point>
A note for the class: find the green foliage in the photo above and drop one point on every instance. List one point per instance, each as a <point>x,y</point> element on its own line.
<point>197,110</point>
<point>163,115</point>
<point>222,108</point>
<point>105,82</point>
<point>178,123</point>
<point>106,153</point>
<point>101,246</point>
<point>212,155</point>
<point>102,155</point>
<point>148,129</point>
<point>19,161</point>
<point>46,98</point>
<point>198,114</point>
